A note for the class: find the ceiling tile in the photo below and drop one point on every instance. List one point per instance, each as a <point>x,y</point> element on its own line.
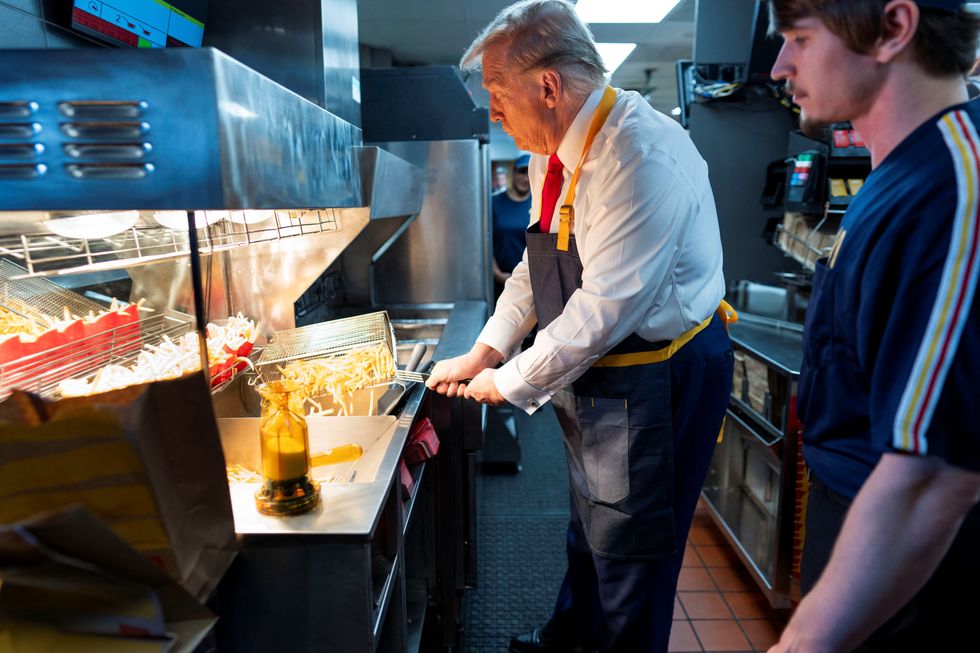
<point>439,31</point>
<point>399,10</point>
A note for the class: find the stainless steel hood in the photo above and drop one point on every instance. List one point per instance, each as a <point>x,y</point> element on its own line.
<point>106,129</point>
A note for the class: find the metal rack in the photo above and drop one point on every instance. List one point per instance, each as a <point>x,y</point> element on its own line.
<point>752,486</point>
<point>39,299</point>
<point>41,372</point>
<point>333,338</point>
<point>50,254</point>
<point>784,240</point>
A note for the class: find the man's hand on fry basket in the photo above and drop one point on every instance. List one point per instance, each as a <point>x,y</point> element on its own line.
<point>447,376</point>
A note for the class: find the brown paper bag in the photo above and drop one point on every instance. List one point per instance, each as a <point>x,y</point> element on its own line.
<point>146,459</point>
<point>70,584</point>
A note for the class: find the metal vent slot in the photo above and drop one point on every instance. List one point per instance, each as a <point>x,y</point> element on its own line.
<point>19,130</point>
<point>49,254</point>
<point>110,151</point>
<point>22,170</point>
<point>17,109</point>
<point>21,150</point>
<point>109,130</point>
<point>109,170</point>
<point>102,110</point>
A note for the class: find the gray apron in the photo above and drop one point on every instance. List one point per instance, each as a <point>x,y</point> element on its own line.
<point>617,426</point>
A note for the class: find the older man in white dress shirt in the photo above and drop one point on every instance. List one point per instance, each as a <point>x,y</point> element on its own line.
<point>623,275</point>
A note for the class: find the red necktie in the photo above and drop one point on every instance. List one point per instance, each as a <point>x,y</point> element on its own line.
<point>549,193</point>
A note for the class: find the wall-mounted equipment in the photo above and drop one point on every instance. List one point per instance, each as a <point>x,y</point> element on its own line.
<point>142,23</point>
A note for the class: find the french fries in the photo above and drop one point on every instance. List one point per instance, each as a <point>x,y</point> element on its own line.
<point>11,323</point>
<point>166,360</point>
<point>339,376</point>
<point>242,474</point>
<point>170,359</point>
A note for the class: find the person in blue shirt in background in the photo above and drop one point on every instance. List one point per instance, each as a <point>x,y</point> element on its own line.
<point>511,216</point>
<point>887,394</point>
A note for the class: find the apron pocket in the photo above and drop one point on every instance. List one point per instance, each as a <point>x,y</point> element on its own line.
<point>605,447</point>
<point>618,535</point>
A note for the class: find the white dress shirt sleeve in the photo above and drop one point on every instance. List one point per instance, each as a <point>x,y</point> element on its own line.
<point>640,211</point>
<point>514,316</point>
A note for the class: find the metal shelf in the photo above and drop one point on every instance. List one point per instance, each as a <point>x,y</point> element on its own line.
<point>45,253</point>
<point>738,517</point>
<point>807,262</point>
<point>416,602</point>
<point>42,372</point>
<point>760,423</point>
<point>418,471</point>
<point>40,300</point>
<point>83,347</point>
<point>788,242</point>
<point>383,592</point>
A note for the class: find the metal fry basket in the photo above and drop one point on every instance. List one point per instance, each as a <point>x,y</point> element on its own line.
<point>39,299</point>
<point>327,340</point>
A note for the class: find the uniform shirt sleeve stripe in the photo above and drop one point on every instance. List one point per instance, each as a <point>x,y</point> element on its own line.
<point>954,298</point>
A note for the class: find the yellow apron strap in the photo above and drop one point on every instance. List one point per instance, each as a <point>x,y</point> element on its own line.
<point>655,356</point>
<point>566,214</point>
<point>724,311</point>
<point>728,316</point>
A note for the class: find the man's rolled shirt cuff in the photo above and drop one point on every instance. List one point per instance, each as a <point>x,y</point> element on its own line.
<point>517,391</point>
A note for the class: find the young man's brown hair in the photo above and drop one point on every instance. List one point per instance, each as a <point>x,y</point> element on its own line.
<point>944,45</point>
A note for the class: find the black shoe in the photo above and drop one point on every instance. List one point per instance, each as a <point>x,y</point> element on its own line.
<point>528,642</point>
<point>540,640</point>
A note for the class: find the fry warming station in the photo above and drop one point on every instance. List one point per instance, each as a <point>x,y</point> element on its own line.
<point>224,195</point>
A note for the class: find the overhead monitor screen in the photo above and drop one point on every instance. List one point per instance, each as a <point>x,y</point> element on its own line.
<point>142,23</point>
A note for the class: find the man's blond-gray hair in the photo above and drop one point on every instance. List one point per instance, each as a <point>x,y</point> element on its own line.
<point>542,34</point>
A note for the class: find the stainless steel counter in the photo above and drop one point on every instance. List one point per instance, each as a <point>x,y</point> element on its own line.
<point>346,560</point>
<point>751,488</point>
<point>468,318</point>
<point>778,343</point>
<point>332,578</point>
<point>349,507</point>
<point>462,330</point>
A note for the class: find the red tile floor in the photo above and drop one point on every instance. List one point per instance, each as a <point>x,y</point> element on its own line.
<point>718,606</point>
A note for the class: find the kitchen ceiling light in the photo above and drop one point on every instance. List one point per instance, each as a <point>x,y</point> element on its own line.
<point>614,54</point>
<point>624,11</point>
<point>92,225</point>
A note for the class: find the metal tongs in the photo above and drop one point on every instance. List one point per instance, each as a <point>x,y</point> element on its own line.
<point>411,377</point>
<point>419,377</point>
<point>409,374</point>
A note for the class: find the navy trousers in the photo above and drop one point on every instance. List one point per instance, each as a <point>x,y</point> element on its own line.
<point>626,605</point>
<point>939,618</point>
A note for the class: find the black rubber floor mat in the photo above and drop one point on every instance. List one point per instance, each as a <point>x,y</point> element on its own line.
<point>521,540</point>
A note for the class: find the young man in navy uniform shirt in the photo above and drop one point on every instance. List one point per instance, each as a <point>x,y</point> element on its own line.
<point>511,210</point>
<point>892,341</point>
